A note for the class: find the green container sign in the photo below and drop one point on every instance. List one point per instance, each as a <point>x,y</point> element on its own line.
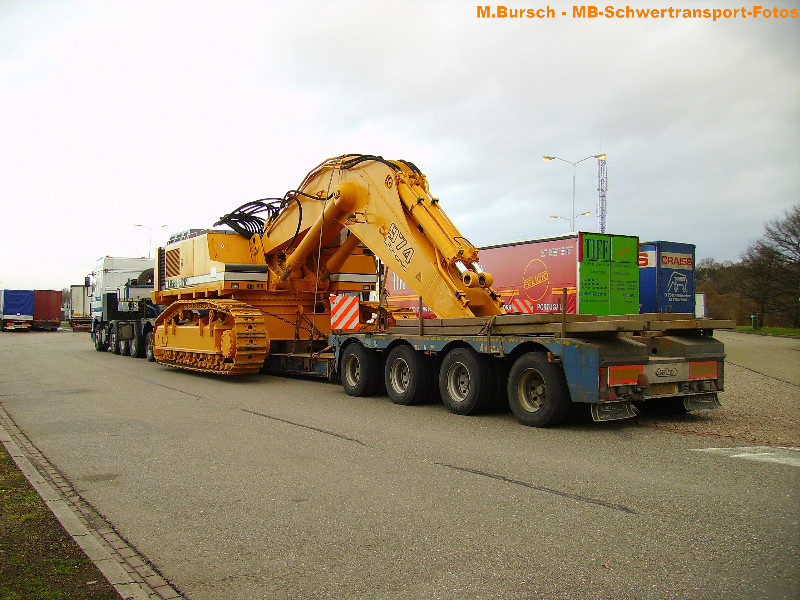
<point>624,289</point>
<point>625,249</point>
<point>595,247</point>
<point>593,287</point>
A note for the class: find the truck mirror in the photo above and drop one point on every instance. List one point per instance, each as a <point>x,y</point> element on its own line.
<point>87,281</point>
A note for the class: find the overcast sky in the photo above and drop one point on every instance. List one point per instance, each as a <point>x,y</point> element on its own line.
<point>114,114</point>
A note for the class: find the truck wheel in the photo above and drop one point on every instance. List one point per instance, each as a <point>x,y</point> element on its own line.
<point>100,344</point>
<point>137,345</point>
<point>148,347</point>
<point>125,347</point>
<point>537,391</point>
<point>408,376</point>
<point>360,370</point>
<point>466,381</point>
<point>113,341</point>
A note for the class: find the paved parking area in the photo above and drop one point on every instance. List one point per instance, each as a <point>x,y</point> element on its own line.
<point>269,487</point>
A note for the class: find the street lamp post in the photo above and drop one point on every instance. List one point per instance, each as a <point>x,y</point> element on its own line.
<point>572,220</point>
<point>574,166</point>
<point>150,235</point>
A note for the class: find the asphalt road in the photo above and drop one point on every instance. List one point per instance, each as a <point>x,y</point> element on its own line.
<point>267,487</point>
<point>777,358</point>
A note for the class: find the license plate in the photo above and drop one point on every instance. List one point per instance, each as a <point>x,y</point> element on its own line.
<point>662,389</point>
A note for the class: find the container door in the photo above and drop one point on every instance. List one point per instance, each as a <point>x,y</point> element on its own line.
<point>624,275</point>
<point>676,277</point>
<point>594,280</point>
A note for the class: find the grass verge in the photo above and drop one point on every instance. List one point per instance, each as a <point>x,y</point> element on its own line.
<point>788,331</point>
<point>38,559</point>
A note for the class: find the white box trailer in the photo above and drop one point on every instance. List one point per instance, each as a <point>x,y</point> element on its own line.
<point>80,307</point>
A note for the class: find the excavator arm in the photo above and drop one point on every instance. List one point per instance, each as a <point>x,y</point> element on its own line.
<point>386,206</point>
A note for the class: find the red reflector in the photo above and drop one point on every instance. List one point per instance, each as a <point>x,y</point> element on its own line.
<point>624,374</point>
<point>703,370</point>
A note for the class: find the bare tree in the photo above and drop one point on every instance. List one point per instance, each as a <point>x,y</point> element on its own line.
<point>784,235</point>
<point>720,282</point>
<point>771,271</point>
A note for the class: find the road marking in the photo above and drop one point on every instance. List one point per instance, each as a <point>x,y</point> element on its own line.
<point>772,454</point>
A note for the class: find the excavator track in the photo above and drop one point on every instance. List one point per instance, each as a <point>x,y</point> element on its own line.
<point>218,336</point>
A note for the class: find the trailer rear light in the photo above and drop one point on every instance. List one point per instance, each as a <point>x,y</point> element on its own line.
<point>624,374</point>
<point>703,370</point>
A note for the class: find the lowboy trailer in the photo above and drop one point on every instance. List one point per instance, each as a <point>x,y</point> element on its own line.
<point>541,367</point>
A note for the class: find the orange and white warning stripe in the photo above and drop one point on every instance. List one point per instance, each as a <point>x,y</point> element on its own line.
<point>522,306</point>
<point>345,312</point>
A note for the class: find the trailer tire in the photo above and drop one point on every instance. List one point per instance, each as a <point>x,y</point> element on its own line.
<point>408,376</point>
<point>100,344</point>
<point>537,391</point>
<point>125,347</point>
<point>138,345</point>
<point>466,381</point>
<point>145,277</point>
<point>114,341</point>
<point>148,347</point>
<point>360,370</point>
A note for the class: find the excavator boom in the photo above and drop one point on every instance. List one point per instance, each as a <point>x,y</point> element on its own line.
<point>387,206</point>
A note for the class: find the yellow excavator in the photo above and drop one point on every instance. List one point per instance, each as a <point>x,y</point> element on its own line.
<point>234,297</point>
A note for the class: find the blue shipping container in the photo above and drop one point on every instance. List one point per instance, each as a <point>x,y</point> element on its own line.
<point>666,277</point>
<point>18,303</point>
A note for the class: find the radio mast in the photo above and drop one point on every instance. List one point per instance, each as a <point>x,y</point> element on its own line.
<point>602,186</point>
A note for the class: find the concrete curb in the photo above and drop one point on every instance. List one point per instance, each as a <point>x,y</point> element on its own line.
<point>130,574</point>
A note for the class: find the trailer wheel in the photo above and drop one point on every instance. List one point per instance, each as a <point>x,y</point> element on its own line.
<point>408,376</point>
<point>360,370</point>
<point>114,341</point>
<point>125,347</point>
<point>148,347</point>
<point>537,391</point>
<point>100,344</point>
<point>137,345</point>
<point>466,381</point>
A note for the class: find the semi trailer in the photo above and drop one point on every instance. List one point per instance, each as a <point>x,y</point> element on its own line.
<point>80,308</point>
<point>16,308</point>
<point>46,309</point>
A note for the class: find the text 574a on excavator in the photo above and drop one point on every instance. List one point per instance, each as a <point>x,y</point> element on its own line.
<point>260,298</point>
